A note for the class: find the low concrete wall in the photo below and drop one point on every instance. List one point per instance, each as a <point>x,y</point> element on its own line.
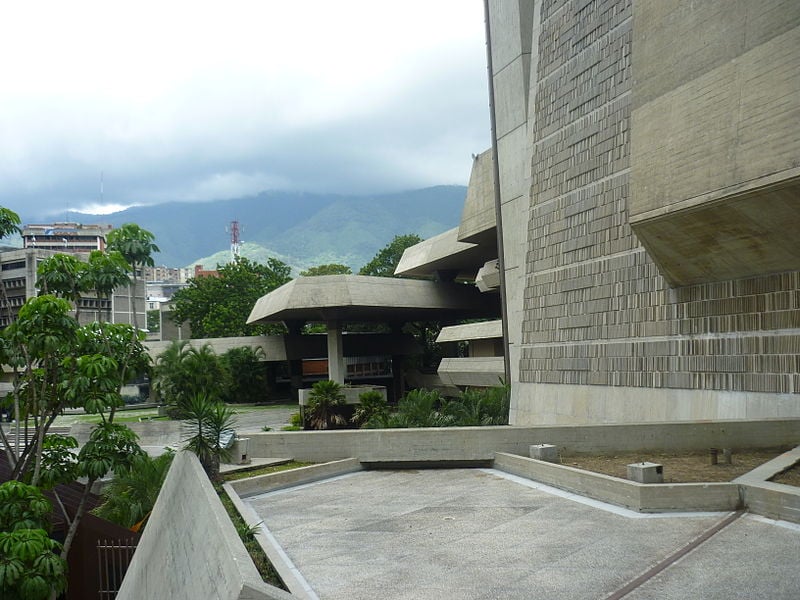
<point>151,433</point>
<point>190,548</point>
<point>261,484</point>
<point>770,499</point>
<point>480,443</point>
<point>650,497</point>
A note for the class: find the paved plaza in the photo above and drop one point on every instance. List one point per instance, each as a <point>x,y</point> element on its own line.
<point>480,533</point>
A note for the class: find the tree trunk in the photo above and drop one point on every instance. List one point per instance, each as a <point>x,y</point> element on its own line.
<point>73,527</point>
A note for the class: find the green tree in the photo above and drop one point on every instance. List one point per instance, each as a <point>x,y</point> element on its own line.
<point>206,372</point>
<point>182,372</point>
<point>324,402</point>
<point>63,275</point>
<point>246,375</point>
<point>105,272</point>
<point>137,246</point>
<point>219,306</point>
<point>35,345</point>
<point>170,375</point>
<point>329,269</point>
<point>111,448</point>
<point>386,260</point>
<point>30,568</point>
<point>153,320</point>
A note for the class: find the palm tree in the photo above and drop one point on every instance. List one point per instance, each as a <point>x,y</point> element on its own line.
<point>130,495</point>
<point>170,377</point>
<point>372,408</point>
<point>137,246</point>
<point>208,431</point>
<point>323,401</point>
<point>206,373</point>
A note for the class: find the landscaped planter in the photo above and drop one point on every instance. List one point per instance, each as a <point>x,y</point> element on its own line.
<point>351,393</point>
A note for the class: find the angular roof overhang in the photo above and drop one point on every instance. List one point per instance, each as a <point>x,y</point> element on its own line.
<point>444,253</point>
<point>359,298</point>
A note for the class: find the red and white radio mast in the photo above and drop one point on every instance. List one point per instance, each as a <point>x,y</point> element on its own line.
<point>236,242</point>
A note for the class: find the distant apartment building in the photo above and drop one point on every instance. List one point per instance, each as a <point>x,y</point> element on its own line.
<point>68,237</point>
<point>18,276</point>
<point>164,274</point>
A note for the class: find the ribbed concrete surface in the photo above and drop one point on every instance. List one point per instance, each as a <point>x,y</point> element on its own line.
<point>479,534</point>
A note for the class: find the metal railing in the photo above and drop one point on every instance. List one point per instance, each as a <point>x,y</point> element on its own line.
<point>113,558</point>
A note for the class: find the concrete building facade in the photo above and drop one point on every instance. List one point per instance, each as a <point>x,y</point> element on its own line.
<point>18,276</point>
<point>652,149</point>
<point>66,237</point>
<point>649,182</point>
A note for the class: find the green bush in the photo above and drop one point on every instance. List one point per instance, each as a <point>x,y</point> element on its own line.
<point>372,407</point>
<point>479,406</point>
<point>324,405</point>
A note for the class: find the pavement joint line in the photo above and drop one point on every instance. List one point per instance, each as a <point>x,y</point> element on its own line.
<point>599,504</point>
<point>675,556</point>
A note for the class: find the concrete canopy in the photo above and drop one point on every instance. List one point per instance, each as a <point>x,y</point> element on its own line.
<point>444,253</point>
<point>358,298</point>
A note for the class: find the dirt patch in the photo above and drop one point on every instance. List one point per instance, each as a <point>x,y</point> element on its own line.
<point>678,467</point>
<point>790,477</point>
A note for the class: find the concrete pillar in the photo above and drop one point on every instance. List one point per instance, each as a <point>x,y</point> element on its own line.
<point>336,366</point>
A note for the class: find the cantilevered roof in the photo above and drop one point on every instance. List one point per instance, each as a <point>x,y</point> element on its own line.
<point>485,330</point>
<point>363,298</point>
<point>444,253</point>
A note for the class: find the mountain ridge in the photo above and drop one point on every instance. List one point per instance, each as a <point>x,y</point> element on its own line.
<point>300,228</point>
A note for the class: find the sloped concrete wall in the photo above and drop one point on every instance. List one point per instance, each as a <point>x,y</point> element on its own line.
<point>190,549</point>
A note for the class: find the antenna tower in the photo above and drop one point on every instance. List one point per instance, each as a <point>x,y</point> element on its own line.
<point>236,242</point>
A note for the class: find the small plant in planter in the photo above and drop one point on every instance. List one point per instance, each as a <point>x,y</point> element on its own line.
<point>324,403</point>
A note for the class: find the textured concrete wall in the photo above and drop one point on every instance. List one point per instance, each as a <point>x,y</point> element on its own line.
<point>717,97</point>
<point>190,548</point>
<point>603,335</point>
<point>715,161</point>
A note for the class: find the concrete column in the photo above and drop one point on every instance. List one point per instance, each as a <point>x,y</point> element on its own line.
<point>336,366</point>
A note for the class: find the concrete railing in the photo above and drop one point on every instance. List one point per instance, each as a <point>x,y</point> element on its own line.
<point>481,443</point>
<point>190,549</point>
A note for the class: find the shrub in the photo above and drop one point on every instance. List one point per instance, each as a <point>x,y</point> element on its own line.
<point>324,402</point>
<point>372,407</point>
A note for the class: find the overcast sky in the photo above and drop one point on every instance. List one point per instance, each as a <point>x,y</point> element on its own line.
<point>198,100</point>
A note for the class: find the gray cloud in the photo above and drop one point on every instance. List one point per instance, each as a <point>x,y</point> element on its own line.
<point>352,112</point>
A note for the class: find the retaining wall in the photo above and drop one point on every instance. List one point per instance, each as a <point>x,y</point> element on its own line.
<point>649,497</point>
<point>190,549</point>
<point>481,443</point>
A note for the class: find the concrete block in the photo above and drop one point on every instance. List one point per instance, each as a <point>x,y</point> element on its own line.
<point>240,454</point>
<point>547,452</point>
<point>646,472</point>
